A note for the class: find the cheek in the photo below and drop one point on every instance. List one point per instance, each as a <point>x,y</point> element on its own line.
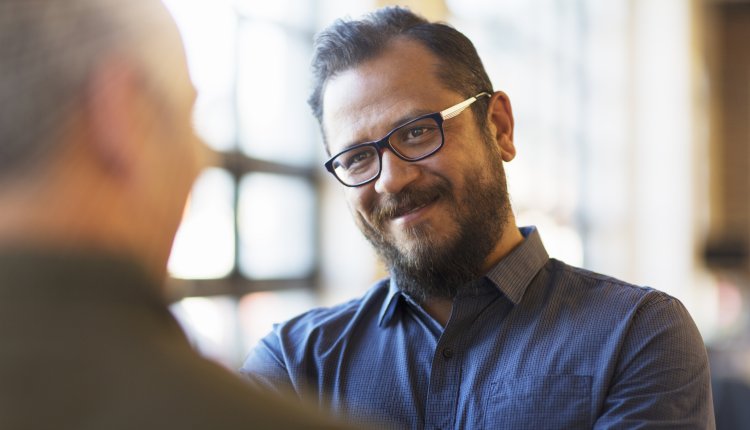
<point>360,200</point>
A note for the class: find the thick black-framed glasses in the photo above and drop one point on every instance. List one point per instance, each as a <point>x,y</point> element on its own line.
<point>414,140</point>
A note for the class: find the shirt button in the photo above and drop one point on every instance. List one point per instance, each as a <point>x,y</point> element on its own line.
<point>447,353</point>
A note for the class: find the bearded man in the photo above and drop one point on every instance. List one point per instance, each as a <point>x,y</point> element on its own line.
<point>476,327</point>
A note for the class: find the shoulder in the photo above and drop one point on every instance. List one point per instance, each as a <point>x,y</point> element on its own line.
<point>586,284</point>
<point>286,357</point>
<point>210,392</point>
<point>602,303</point>
<point>190,392</point>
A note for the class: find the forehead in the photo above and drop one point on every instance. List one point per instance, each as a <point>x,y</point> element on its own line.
<point>365,102</point>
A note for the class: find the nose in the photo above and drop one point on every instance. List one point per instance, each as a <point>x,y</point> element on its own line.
<point>395,174</point>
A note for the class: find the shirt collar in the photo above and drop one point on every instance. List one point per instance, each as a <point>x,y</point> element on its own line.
<point>511,275</point>
<point>390,303</point>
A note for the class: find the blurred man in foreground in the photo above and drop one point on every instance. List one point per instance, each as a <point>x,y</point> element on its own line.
<point>97,157</point>
<point>476,327</point>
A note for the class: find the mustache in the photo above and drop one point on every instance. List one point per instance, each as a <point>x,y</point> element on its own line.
<point>394,205</point>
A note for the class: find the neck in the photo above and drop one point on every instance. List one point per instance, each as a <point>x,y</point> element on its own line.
<point>30,232</point>
<point>510,238</point>
<point>57,217</point>
<point>440,308</point>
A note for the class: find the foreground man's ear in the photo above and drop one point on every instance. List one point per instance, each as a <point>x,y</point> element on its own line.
<point>113,103</point>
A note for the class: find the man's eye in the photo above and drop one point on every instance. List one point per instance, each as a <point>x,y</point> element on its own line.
<point>359,157</point>
<point>416,132</point>
<point>355,160</point>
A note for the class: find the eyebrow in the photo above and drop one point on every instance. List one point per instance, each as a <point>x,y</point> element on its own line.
<point>393,125</point>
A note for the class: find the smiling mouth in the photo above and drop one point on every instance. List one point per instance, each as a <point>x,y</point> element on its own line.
<point>408,205</point>
<point>412,209</point>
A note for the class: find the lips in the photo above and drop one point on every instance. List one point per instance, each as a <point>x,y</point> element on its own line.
<point>406,210</point>
<point>401,205</point>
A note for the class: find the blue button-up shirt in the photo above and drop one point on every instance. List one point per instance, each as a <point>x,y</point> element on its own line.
<point>534,344</point>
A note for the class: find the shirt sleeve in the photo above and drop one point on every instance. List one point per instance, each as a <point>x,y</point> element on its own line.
<point>265,366</point>
<point>662,377</point>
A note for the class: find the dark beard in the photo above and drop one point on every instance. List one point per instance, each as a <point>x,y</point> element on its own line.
<point>440,271</point>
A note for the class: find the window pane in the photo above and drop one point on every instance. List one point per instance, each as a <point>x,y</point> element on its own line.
<point>214,120</point>
<point>204,246</point>
<point>276,226</point>
<point>291,12</point>
<point>275,122</point>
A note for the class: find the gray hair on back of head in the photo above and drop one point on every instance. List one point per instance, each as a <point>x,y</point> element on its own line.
<point>48,51</point>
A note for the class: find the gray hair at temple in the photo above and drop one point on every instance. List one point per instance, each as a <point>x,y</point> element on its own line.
<point>348,43</point>
<point>48,51</point>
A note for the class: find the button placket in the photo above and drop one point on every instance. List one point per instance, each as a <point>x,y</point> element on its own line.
<point>447,353</point>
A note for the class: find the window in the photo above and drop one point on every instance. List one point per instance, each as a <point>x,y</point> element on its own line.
<point>251,219</point>
<point>248,238</point>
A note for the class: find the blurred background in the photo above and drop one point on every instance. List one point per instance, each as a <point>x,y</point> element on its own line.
<point>633,133</point>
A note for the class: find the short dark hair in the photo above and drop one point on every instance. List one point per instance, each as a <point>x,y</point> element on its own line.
<point>348,43</point>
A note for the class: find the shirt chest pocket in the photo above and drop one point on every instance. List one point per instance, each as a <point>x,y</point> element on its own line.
<point>539,402</point>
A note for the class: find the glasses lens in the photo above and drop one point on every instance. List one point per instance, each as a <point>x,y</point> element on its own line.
<point>417,139</point>
<point>357,165</point>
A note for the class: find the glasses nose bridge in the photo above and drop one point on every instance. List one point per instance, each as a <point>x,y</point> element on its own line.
<point>394,171</point>
<point>385,143</point>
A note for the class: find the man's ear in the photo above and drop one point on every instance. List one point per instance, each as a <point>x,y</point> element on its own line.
<point>500,114</point>
<point>113,103</point>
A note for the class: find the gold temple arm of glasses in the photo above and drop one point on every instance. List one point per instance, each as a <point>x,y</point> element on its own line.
<point>457,109</point>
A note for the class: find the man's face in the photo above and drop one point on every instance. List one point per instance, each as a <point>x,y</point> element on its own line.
<point>434,221</point>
